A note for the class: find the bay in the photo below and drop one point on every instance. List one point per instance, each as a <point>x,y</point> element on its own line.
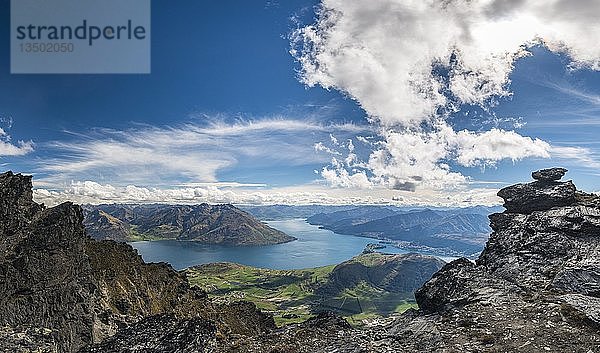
<point>315,247</point>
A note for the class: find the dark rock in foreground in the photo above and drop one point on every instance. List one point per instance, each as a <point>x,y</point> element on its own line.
<point>535,286</point>
<point>61,290</point>
<point>160,334</point>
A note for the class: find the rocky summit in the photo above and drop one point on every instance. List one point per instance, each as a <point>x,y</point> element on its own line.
<point>545,193</point>
<point>535,288</point>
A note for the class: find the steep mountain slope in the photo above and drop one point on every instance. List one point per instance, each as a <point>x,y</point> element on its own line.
<point>454,229</point>
<point>210,224</point>
<point>101,225</point>
<point>61,290</point>
<point>465,222</point>
<point>352,216</point>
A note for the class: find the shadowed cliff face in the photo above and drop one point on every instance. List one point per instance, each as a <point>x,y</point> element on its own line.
<point>16,203</point>
<point>536,285</point>
<point>46,279</point>
<point>61,290</point>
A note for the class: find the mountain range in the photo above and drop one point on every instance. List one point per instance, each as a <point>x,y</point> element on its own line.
<point>282,212</point>
<point>462,230</point>
<point>209,224</point>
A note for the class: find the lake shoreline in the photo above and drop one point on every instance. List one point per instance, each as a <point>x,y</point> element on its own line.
<point>313,247</point>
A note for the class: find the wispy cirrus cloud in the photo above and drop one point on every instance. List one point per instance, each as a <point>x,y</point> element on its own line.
<point>8,148</point>
<point>187,153</point>
<point>570,90</point>
<point>582,155</point>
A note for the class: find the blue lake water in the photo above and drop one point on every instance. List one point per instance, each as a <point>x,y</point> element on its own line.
<point>314,247</point>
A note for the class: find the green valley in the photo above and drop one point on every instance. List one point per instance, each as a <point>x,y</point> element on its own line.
<point>367,286</point>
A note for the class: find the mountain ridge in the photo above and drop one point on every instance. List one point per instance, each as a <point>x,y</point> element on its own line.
<point>62,291</point>
<point>209,224</point>
<point>457,230</point>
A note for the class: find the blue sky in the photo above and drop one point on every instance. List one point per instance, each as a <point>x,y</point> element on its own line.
<point>229,115</point>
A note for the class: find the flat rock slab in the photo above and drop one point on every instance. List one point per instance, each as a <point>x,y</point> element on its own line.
<point>537,196</point>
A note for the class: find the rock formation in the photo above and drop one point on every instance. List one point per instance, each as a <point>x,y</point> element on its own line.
<point>549,175</point>
<point>535,286</point>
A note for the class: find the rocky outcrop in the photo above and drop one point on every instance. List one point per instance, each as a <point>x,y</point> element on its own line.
<point>533,289</point>
<point>27,339</point>
<point>543,194</point>
<point>61,291</point>
<point>160,334</point>
<point>204,223</point>
<point>549,175</point>
<point>45,276</point>
<point>554,248</point>
<point>539,272</point>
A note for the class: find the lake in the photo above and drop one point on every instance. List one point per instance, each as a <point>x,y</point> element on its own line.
<point>315,247</point>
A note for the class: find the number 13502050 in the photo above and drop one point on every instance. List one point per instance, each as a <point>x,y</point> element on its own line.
<point>47,47</point>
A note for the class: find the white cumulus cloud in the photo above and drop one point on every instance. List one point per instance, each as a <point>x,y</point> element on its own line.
<point>492,146</point>
<point>409,63</point>
<point>83,192</point>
